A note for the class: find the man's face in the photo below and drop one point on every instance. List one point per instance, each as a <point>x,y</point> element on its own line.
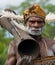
<point>34,26</point>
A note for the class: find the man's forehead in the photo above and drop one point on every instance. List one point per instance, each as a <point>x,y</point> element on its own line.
<point>34,18</point>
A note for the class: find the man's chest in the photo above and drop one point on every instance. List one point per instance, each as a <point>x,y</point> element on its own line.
<point>47,48</point>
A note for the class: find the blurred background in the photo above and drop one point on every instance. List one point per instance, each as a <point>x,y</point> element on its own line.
<point>19,6</point>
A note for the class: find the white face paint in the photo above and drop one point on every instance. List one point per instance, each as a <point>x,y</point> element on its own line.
<point>34,31</point>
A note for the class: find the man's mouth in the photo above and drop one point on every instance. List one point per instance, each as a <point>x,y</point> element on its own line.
<point>35,30</point>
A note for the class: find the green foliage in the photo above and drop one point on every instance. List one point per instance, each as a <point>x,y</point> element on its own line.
<point>4,43</point>
<point>3,55</point>
<point>50,8</point>
<point>43,2</point>
<point>49,30</point>
<point>26,4</point>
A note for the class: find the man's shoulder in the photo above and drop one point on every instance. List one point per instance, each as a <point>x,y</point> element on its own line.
<point>49,41</point>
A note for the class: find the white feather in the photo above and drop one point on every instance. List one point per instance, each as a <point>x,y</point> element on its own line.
<point>10,15</point>
<point>21,26</point>
<point>50,18</point>
<point>54,38</point>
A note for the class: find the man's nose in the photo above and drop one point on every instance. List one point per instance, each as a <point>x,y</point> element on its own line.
<point>36,24</point>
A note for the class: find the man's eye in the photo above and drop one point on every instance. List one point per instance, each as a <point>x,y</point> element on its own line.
<point>32,21</point>
<point>39,21</point>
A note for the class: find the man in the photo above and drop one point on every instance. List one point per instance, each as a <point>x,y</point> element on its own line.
<point>34,20</point>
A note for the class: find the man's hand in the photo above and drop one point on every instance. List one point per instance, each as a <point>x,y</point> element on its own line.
<point>26,60</point>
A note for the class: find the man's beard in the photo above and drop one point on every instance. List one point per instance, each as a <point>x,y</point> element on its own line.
<point>34,31</point>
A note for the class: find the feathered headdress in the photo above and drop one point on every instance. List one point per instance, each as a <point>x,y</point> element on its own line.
<point>38,12</point>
